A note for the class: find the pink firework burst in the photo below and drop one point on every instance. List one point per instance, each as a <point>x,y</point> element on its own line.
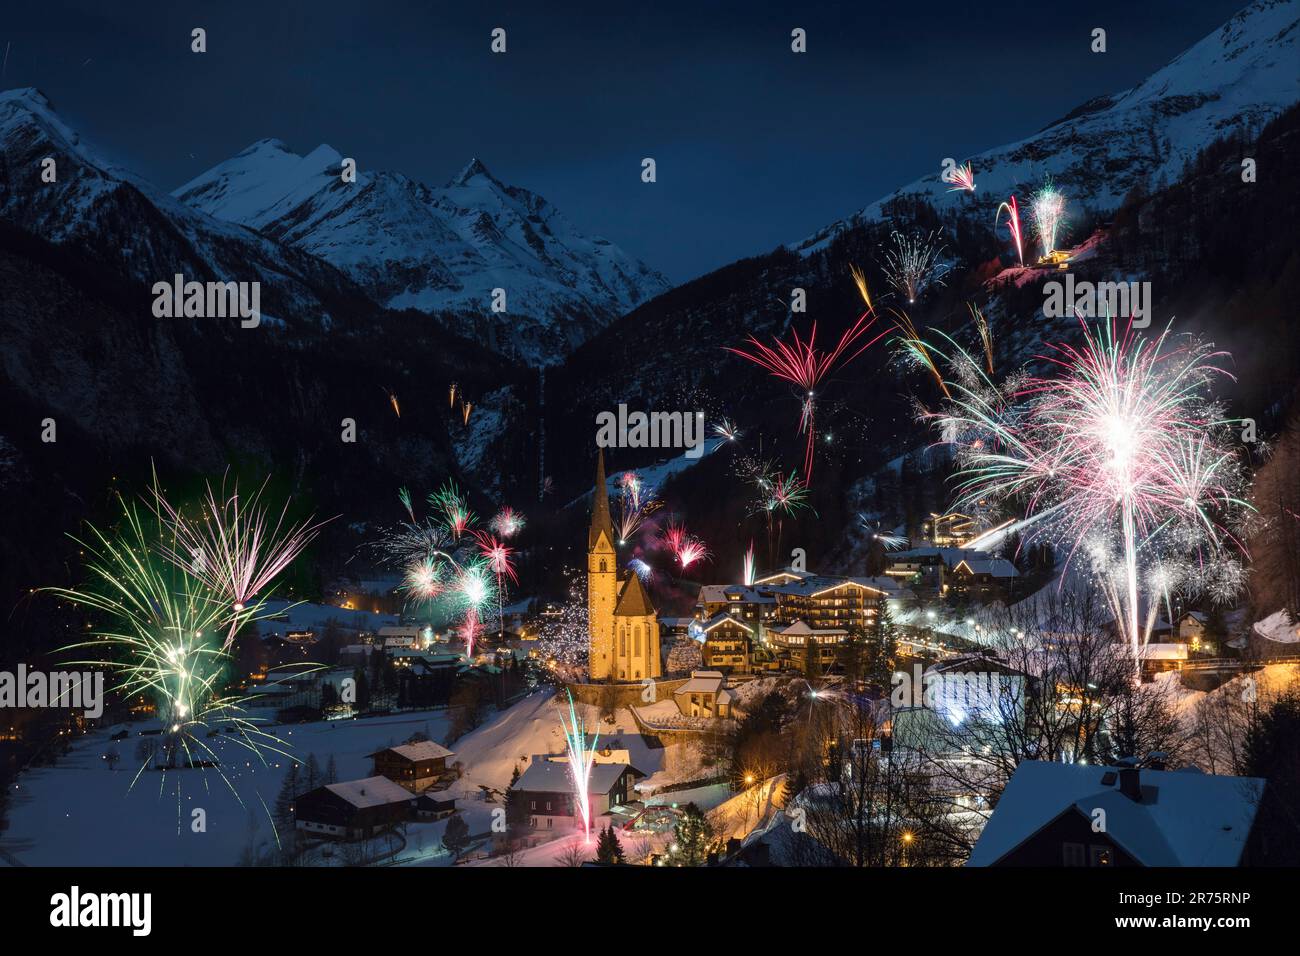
<point>685,547</point>
<point>497,555</point>
<point>804,366</point>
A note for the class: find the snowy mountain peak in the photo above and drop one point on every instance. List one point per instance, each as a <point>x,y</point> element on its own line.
<point>411,246</point>
<point>473,169</point>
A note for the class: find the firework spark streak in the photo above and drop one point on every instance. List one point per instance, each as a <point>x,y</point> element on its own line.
<point>1049,216</point>
<point>747,567</point>
<point>962,178</point>
<point>233,548</point>
<point>912,264</point>
<point>633,504</point>
<point>888,539</point>
<point>1013,223</point>
<point>801,364</point>
<point>915,349</point>
<point>860,280</point>
<point>1121,455</point>
<point>581,758</point>
<point>726,430</point>
<point>986,337</point>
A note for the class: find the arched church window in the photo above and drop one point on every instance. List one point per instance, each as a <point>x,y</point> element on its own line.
<point>623,640</point>
<point>602,565</point>
<point>637,641</point>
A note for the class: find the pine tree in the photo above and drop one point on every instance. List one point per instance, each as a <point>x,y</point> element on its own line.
<point>882,646</point>
<point>284,801</point>
<point>456,837</point>
<point>812,665</point>
<point>312,773</point>
<point>693,836</point>
<point>608,850</point>
<point>331,771</point>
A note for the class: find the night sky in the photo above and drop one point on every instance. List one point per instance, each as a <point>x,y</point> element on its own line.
<point>756,146</point>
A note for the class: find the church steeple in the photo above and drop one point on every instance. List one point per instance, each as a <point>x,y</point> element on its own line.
<point>600,520</point>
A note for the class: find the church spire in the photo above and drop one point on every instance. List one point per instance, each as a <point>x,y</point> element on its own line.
<point>600,520</point>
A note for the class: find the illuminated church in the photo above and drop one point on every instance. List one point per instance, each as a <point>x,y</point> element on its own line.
<point>622,625</point>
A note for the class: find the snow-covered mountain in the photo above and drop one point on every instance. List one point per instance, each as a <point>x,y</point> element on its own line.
<point>435,249</point>
<point>138,231</point>
<point>1241,75</point>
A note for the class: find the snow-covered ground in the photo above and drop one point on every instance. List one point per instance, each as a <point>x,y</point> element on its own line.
<point>80,813</point>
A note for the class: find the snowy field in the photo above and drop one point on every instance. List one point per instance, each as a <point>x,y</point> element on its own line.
<point>81,813</point>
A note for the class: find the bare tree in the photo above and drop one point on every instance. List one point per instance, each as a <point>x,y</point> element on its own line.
<point>574,855</point>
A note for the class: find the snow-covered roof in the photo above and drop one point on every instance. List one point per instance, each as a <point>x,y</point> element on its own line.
<point>800,627</point>
<point>370,792</point>
<point>1184,818</point>
<point>702,682</point>
<point>1156,651</point>
<point>993,567</point>
<point>817,584</point>
<point>784,574</point>
<point>722,617</point>
<point>424,750</point>
<point>1277,627</point>
<point>732,593</point>
<point>553,776</point>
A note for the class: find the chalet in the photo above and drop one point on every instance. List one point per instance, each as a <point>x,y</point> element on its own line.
<point>982,580</point>
<point>928,569</point>
<point>1047,816</point>
<point>429,807</point>
<point>727,644</point>
<point>798,640</point>
<point>415,766</point>
<point>951,530</point>
<point>831,603</point>
<point>353,810</point>
<point>1196,630</point>
<point>752,605</point>
<point>546,789</point>
<point>704,695</point>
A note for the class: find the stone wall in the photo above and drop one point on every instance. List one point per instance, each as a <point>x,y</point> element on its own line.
<point>624,694</point>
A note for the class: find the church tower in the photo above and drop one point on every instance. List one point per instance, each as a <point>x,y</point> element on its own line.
<point>602,581</point>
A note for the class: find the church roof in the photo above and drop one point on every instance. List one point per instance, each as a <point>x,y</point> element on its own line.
<point>600,520</point>
<point>633,602</point>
